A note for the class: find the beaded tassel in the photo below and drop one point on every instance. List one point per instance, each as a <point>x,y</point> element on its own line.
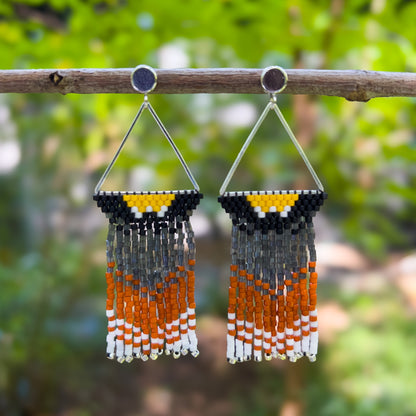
<point>150,274</point>
<point>272,293</point>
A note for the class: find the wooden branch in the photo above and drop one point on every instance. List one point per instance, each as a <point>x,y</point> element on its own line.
<point>354,85</point>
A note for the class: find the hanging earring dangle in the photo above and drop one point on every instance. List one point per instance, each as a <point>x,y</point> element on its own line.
<point>273,278</point>
<point>150,259</point>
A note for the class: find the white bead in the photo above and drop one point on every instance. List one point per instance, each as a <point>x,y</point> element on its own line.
<point>239,349</point>
<point>298,348</point>
<point>313,348</point>
<point>305,344</point>
<point>193,340</point>
<point>258,332</point>
<point>248,350</point>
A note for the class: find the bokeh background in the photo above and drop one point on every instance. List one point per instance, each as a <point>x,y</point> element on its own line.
<point>54,148</point>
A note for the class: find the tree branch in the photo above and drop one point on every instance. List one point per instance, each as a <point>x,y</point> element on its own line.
<point>354,85</point>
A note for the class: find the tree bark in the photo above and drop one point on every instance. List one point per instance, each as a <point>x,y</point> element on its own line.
<point>354,85</point>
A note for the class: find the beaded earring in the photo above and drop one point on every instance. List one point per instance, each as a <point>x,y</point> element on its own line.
<point>273,278</point>
<point>150,259</point>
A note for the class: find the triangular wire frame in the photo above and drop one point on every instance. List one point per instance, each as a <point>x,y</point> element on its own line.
<point>271,105</point>
<point>146,105</point>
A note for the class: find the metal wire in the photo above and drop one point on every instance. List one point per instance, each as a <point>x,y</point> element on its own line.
<point>146,105</point>
<point>271,105</point>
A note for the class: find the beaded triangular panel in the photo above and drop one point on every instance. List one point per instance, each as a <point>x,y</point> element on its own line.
<point>273,280</point>
<point>272,206</point>
<point>134,206</point>
<point>150,273</point>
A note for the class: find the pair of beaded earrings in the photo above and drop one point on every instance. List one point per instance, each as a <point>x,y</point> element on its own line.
<point>151,259</point>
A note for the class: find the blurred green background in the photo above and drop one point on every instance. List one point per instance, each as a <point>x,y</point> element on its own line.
<point>54,148</point>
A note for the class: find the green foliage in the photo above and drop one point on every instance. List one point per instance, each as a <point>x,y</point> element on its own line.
<point>379,347</point>
<point>365,154</point>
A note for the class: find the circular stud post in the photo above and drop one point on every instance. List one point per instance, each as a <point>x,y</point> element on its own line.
<point>273,79</point>
<point>144,79</point>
